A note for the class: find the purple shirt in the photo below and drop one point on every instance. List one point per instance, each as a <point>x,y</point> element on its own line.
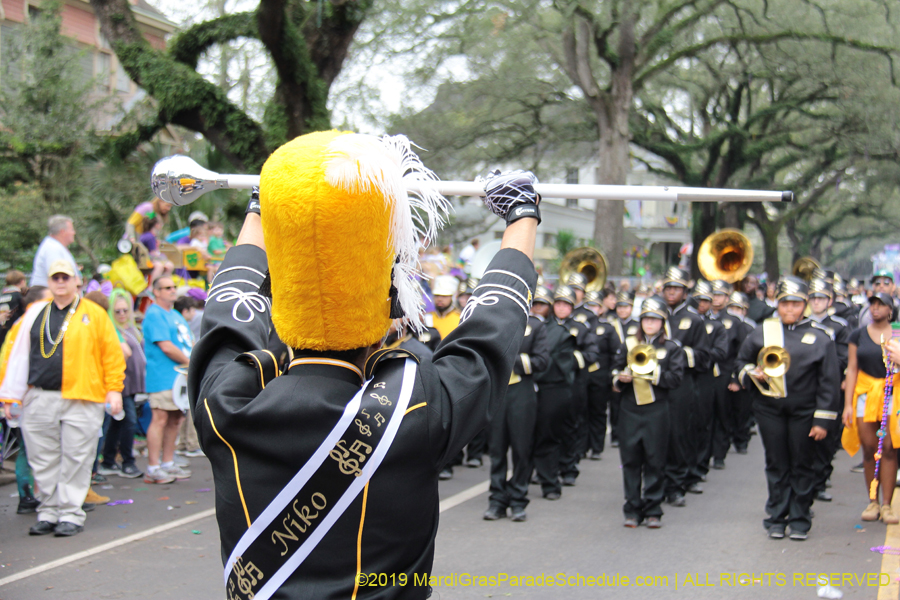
<point>149,240</point>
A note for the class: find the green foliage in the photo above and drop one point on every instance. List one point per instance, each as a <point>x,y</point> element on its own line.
<point>48,111</point>
<point>25,214</point>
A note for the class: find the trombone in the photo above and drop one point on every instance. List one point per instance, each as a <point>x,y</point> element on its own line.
<point>774,361</point>
<point>179,180</point>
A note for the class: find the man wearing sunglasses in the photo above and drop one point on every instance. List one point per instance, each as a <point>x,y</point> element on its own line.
<point>167,343</point>
<point>64,366</point>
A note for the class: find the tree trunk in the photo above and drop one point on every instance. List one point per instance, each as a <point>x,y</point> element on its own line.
<point>769,233</point>
<point>613,109</point>
<point>704,225</point>
<point>730,215</point>
<point>609,214</point>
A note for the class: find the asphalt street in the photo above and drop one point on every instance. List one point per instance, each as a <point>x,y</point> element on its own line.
<point>165,544</point>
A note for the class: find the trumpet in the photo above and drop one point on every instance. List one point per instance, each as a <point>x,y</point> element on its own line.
<point>179,180</point>
<point>774,361</point>
<point>642,361</point>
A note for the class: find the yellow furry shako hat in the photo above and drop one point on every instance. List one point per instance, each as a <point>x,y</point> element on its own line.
<point>342,233</point>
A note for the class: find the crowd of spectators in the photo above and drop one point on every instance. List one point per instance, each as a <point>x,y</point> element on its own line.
<point>91,348</point>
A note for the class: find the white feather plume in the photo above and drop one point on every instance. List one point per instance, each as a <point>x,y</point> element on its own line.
<point>360,162</point>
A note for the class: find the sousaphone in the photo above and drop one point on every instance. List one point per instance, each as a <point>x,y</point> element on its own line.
<point>805,267</point>
<point>590,262</point>
<point>725,255</point>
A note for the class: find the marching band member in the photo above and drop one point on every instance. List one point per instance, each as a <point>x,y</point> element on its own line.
<point>329,471</point>
<point>599,387</point>
<point>724,409</point>
<point>512,428</point>
<point>687,326</point>
<point>554,395</point>
<point>741,399</point>
<point>795,410</point>
<point>822,316</point>
<point>864,404</point>
<point>624,325</point>
<point>644,416</point>
<point>574,425</point>
<point>710,384</point>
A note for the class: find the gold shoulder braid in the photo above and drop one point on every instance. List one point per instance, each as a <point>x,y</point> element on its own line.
<point>45,323</point>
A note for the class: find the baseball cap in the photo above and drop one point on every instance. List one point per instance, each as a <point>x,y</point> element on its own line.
<point>61,266</point>
<point>882,273</point>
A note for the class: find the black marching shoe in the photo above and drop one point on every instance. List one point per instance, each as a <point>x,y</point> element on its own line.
<point>718,464</point>
<point>42,528</point>
<point>552,496</point>
<point>676,500</point>
<point>569,481</point>
<point>474,463</point>
<point>66,529</point>
<point>614,443</point>
<point>741,450</point>
<point>494,512</point>
<point>694,488</point>
<point>445,474</point>
<point>27,505</point>
<point>518,515</point>
<point>594,455</point>
<point>776,532</point>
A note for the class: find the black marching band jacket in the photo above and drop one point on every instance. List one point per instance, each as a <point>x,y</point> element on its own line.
<point>813,374</point>
<point>258,429</point>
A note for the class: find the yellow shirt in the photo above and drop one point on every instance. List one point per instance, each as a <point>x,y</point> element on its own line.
<point>93,362</point>
<point>447,323</point>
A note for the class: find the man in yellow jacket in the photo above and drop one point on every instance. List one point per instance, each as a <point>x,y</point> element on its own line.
<point>64,365</point>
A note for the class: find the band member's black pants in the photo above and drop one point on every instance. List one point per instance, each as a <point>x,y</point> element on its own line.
<point>784,426</point>
<point>513,429</point>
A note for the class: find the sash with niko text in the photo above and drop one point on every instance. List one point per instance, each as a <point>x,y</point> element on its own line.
<point>285,533</point>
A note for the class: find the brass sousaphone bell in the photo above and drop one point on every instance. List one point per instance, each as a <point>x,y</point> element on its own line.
<point>805,267</point>
<point>642,360</point>
<point>590,262</point>
<point>725,255</point>
<point>774,361</point>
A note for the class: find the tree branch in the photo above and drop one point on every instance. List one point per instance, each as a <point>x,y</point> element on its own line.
<point>189,45</point>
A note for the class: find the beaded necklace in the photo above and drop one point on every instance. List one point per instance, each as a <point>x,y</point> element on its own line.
<point>885,418</point>
<point>45,324</point>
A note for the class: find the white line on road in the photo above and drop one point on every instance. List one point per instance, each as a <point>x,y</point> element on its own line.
<point>108,546</point>
<point>455,500</point>
<point>472,492</point>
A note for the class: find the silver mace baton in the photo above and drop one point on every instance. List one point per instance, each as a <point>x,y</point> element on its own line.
<point>179,180</point>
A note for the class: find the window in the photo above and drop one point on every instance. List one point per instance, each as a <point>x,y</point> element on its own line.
<point>123,82</point>
<point>572,179</point>
<point>104,70</point>
<point>34,13</point>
